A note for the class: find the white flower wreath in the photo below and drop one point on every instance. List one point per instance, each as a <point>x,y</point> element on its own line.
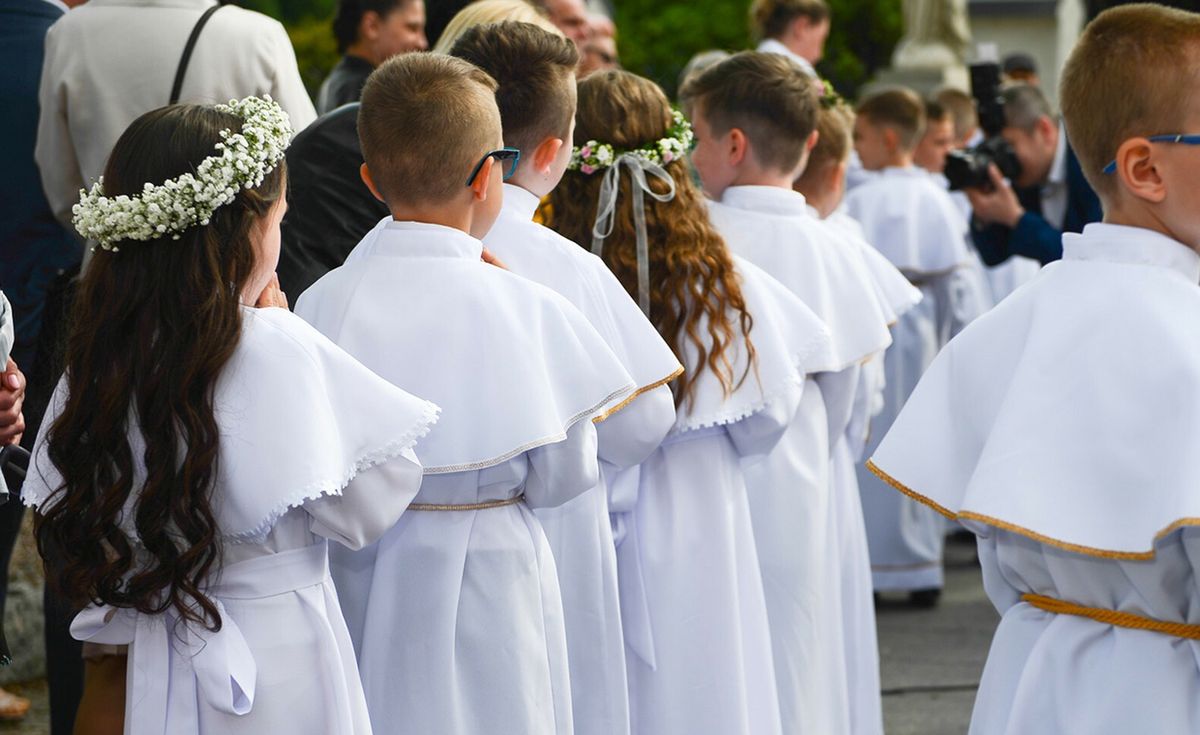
<point>594,156</point>
<point>188,200</point>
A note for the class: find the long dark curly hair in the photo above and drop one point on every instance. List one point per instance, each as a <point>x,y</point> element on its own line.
<point>693,283</point>
<point>152,328</point>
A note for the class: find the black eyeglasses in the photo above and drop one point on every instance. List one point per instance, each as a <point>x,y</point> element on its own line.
<point>1111,168</point>
<point>507,157</point>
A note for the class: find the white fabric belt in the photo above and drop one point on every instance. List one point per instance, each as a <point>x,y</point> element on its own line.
<point>223,665</point>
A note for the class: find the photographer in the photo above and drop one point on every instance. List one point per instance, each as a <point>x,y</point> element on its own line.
<point>1051,194</point>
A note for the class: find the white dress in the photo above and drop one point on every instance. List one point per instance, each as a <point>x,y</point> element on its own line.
<point>911,220</point>
<point>1060,428</point>
<point>456,613</point>
<point>700,660</point>
<point>579,531</point>
<point>791,488</point>
<point>312,447</point>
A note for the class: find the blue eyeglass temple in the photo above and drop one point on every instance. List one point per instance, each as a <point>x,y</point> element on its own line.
<point>1111,168</point>
<point>512,155</point>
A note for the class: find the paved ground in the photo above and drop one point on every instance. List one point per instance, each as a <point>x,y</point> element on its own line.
<point>931,659</point>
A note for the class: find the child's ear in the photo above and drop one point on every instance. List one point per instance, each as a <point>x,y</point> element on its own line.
<point>365,173</point>
<point>890,139</point>
<point>739,146</point>
<point>544,155</point>
<point>1138,172</point>
<point>811,143</point>
<point>483,180</point>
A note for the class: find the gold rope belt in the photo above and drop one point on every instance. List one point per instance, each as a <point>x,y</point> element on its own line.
<point>1114,617</point>
<point>468,506</point>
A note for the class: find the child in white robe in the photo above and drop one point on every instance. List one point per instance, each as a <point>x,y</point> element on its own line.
<point>530,64</point>
<point>913,222</point>
<point>823,184</point>
<point>456,613</point>
<point>755,116</point>
<point>692,599</point>
<point>1061,427</point>
<point>202,446</point>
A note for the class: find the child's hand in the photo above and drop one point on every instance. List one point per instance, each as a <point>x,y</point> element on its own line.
<point>490,259</point>
<point>272,296</point>
<point>12,398</point>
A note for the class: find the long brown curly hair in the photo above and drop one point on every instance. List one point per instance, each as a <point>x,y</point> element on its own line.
<point>693,283</point>
<point>152,328</point>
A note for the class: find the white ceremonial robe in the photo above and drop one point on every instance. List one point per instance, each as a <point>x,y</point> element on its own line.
<point>312,447</point>
<point>1060,428</point>
<point>700,660</point>
<point>862,648</point>
<point>580,532</point>
<point>456,614</point>
<point>912,220</point>
<point>109,61</point>
<point>790,489</point>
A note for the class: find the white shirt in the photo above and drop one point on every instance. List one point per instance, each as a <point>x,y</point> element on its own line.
<point>772,46</point>
<point>109,61</point>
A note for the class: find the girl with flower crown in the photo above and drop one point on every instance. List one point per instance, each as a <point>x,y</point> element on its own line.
<point>692,600</point>
<point>204,443</point>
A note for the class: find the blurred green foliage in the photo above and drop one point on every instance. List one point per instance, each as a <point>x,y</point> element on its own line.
<point>656,37</point>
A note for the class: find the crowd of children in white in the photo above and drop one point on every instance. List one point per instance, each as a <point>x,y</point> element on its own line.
<point>589,432</point>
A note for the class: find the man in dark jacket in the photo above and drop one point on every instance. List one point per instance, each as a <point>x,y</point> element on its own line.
<point>1051,195</point>
<point>368,33</point>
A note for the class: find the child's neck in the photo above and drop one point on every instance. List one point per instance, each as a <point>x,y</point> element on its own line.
<point>897,159</point>
<point>825,201</point>
<point>444,214</point>
<point>761,177</point>
<point>530,181</point>
<point>1146,218</point>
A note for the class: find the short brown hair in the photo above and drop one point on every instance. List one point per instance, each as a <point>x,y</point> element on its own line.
<point>536,73</point>
<point>835,139</point>
<point>1127,76</point>
<point>961,107</point>
<point>770,18</point>
<point>767,96</point>
<point>898,108</point>
<point>425,120</point>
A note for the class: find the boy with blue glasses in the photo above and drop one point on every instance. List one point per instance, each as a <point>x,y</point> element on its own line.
<point>1061,428</point>
<point>455,613</point>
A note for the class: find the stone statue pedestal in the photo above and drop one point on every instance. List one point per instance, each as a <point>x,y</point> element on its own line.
<point>924,81</point>
<point>933,51</point>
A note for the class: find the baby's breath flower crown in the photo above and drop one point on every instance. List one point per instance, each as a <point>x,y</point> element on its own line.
<point>181,203</point>
<point>594,156</point>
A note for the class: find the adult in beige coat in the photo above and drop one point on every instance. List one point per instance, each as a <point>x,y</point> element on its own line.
<point>109,61</point>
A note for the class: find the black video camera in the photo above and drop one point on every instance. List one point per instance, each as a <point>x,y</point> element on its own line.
<point>968,169</point>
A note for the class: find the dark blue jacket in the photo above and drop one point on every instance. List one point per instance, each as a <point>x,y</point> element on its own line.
<point>34,247</point>
<point>1033,236</point>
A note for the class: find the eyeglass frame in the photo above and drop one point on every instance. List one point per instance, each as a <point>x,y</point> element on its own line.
<point>500,154</point>
<point>1184,138</point>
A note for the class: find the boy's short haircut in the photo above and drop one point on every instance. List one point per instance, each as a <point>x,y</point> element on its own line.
<point>935,112</point>
<point>770,18</point>
<point>961,107</point>
<point>424,122</point>
<point>1024,105</point>
<point>1132,73</point>
<point>536,73</point>
<point>766,96</point>
<point>835,131</point>
<point>899,109</point>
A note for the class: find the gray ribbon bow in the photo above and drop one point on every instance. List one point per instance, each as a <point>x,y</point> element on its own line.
<point>606,212</point>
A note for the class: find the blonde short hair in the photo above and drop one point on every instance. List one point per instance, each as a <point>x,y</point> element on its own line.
<point>1128,75</point>
<point>424,121</point>
<point>835,133</point>
<point>898,108</point>
<point>491,11</point>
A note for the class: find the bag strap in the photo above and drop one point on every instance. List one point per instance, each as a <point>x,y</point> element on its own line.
<point>177,87</point>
